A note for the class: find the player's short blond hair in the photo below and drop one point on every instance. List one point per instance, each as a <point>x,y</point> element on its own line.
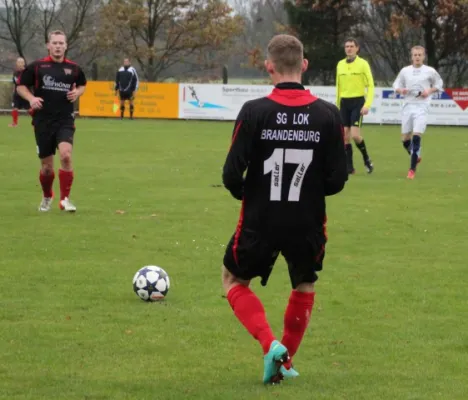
<point>56,32</point>
<point>286,52</point>
<point>418,47</point>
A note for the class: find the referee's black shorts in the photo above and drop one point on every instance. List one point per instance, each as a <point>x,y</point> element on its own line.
<point>126,95</point>
<point>350,109</point>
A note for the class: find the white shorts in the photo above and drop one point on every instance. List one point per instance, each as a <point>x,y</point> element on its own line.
<point>414,118</point>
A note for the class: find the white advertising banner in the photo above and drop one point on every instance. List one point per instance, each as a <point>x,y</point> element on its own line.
<point>223,102</point>
<point>447,108</point>
<point>328,93</point>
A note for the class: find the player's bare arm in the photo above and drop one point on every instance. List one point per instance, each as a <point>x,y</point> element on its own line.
<point>429,92</point>
<point>402,91</point>
<point>400,85</point>
<point>75,93</point>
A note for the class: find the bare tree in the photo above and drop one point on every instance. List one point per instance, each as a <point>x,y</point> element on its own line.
<point>442,24</point>
<point>386,52</point>
<point>264,19</point>
<point>69,16</point>
<point>160,34</point>
<point>323,25</point>
<point>16,19</point>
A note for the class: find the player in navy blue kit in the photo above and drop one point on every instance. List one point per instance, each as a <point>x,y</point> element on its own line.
<point>126,84</point>
<point>291,146</point>
<point>18,103</point>
<point>57,83</point>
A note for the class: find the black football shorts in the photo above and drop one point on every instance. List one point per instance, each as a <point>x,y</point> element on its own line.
<point>350,110</point>
<point>251,254</point>
<point>126,95</point>
<point>49,133</point>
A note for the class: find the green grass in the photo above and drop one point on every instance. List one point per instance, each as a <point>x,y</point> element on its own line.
<point>391,314</point>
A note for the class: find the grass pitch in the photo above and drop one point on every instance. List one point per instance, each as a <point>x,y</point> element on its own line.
<point>391,314</point>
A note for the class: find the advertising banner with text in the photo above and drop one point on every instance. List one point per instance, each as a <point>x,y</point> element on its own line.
<point>152,100</point>
<point>447,108</point>
<point>223,102</point>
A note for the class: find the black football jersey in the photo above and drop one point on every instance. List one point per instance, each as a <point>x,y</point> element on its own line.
<point>291,146</point>
<point>52,81</point>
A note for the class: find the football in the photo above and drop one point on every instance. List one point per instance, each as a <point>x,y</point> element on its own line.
<point>151,283</point>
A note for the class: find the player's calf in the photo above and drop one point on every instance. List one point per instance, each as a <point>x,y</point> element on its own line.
<point>46,179</point>
<point>415,147</point>
<point>66,174</point>
<point>251,314</point>
<point>407,145</point>
<point>14,115</point>
<point>361,145</point>
<point>406,142</point>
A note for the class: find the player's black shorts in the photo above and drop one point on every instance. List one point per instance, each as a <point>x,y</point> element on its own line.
<point>49,133</point>
<point>19,103</point>
<point>250,254</point>
<point>126,95</point>
<point>350,109</point>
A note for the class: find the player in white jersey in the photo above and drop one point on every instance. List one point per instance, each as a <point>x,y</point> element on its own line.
<point>417,83</point>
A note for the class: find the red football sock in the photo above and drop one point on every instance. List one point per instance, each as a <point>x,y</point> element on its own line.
<point>46,183</point>
<point>14,114</point>
<point>66,180</point>
<point>250,312</point>
<point>296,319</point>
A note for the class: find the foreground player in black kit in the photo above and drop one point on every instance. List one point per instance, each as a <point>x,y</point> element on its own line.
<point>57,84</point>
<point>292,146</point>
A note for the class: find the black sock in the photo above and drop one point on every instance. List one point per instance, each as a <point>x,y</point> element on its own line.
<point>362,147</point>
<point>131,111</point>
<point>122,111</point>
<point>407,145</point>
<point>414,151</point>
<point>349,156</point>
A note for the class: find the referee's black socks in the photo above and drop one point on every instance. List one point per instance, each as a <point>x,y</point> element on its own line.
<point>362,148</point>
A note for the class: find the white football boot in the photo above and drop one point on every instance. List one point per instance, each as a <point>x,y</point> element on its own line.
<point>66,205</point>
<point>46,204</point>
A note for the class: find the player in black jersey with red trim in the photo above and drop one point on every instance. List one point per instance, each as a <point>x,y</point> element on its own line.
<point>292,146</point>
<point>18,103</point>
<point>57,84</point>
